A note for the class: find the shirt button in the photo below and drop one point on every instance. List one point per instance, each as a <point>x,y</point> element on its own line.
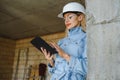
<point>76,43</point>
<point>64,44</point>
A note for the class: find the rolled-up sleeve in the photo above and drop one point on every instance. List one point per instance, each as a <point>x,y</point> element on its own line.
<point>78,65</point>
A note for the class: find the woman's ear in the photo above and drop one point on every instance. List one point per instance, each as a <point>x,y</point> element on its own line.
<point>80,17</point>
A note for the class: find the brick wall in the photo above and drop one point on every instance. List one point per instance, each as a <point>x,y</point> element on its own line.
<point>7,52</point>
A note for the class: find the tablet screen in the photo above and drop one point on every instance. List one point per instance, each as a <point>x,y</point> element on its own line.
<point>38,42</point>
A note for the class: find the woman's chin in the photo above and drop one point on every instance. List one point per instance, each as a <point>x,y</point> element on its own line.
<point>68,27</point>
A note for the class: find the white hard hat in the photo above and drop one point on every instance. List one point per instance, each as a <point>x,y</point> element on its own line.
<point>72,7</point>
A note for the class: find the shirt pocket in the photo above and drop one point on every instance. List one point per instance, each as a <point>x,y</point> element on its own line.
<point>75,48</point>
<point>79,43</point>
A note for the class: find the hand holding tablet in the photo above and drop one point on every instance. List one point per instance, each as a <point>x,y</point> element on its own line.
<point>39,42</point>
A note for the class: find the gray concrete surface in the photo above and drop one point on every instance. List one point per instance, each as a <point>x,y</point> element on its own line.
<point>103,31</point>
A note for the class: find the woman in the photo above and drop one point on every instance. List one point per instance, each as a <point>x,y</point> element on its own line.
<point>70,63</point>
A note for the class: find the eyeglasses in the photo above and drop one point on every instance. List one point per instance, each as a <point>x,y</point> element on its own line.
<point>69,17</point>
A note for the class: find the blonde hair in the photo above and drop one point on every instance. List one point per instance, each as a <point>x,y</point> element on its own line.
<point>83,23</point>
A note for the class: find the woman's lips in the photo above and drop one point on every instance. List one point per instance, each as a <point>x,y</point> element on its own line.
<point>68,24</point>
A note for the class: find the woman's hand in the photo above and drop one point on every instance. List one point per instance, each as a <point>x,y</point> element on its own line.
<point>48,56</point>
<point>60,51</point>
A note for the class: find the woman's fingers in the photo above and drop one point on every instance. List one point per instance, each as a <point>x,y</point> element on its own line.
<point>44,51</point>
<point>51,56</point>
<point>60,51</point>
<point>47,54</point>
<point>55,46</point>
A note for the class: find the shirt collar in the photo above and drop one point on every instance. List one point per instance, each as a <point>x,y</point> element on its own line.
<point>74,30</point>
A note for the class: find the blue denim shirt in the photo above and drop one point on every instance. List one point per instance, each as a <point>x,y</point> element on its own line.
<point>74,45</point>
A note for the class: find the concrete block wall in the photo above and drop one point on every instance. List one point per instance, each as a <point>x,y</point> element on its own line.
<point>27,58</point>
<point>7,53</point>
<point>103,33</point>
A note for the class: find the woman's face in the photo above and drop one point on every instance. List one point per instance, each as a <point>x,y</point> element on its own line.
<point>72,20</point>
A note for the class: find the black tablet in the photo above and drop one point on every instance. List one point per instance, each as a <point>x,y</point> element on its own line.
<point>38,42</point>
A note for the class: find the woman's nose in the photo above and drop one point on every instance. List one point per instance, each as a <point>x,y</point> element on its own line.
<point>66,21</point>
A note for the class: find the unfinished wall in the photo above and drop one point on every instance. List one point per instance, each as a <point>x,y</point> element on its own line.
<point>7,52</point>
<point>103,31</point>
<point>28,58</point>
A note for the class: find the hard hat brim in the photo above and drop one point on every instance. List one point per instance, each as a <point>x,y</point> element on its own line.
<point>60,15</point>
